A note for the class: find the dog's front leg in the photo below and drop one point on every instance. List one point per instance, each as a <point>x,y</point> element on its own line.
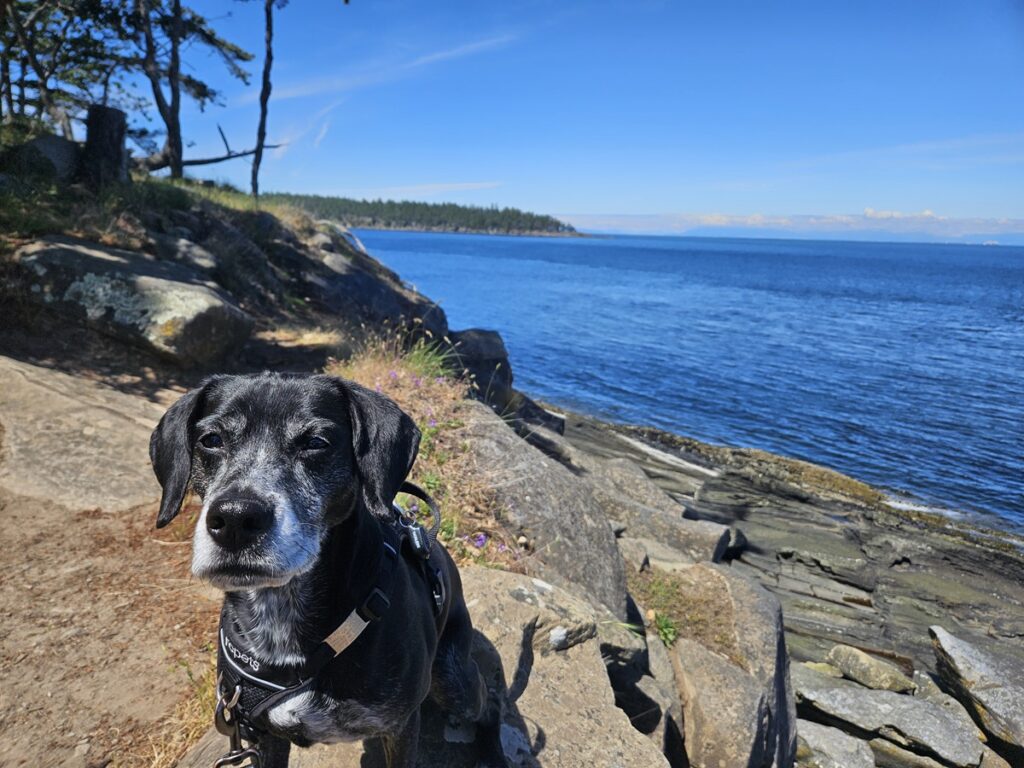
<point>394,750</point>
<point>274,751</point>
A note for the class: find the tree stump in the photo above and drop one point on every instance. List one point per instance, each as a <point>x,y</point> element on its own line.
<point>104,160</point>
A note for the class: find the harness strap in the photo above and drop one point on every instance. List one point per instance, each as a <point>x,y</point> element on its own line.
<point>240,671</point>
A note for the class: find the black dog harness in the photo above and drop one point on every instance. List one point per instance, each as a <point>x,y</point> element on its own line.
<point>248,688</point>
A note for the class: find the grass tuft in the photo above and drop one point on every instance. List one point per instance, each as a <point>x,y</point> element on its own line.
<point>418,378</point>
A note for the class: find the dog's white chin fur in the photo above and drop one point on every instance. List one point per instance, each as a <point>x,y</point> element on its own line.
<point>245,583</point>
<point>208,561</point>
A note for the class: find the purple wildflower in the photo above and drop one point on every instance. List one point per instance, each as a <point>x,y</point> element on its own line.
<point>393,375</point>
<point>480,540</point>
<point>432,423</point>
<point>417,381</point>
<point>502,547</point>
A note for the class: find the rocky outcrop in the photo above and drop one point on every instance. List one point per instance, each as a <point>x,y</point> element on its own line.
<point>733,672</point>
<point>990,685</point>
<point>819,746</point>
<point>912,724</point>
<point>926,688</point>
<point>481,353</point>
<point>868,670</point>
<point>636,505</point>
<point>480,356</point>
<point>570,540</point>
<point>537,647</point>
<point>46,156</point>
<point>151,304</point>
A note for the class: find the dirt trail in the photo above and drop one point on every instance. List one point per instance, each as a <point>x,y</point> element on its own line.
<point>104,630</point>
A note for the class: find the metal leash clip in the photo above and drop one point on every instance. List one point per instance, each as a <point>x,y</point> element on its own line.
<point>226,722</point>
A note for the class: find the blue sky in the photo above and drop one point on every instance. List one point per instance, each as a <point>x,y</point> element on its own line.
<point>644,115</point>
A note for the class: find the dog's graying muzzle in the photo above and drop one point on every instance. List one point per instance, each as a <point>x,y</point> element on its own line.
<point>235,523</point>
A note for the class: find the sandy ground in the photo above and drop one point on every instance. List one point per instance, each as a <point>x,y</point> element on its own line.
<point>104,631</point>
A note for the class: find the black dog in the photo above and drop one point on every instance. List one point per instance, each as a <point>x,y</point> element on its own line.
<point>297,475</point>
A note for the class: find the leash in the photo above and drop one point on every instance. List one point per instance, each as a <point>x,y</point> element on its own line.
<point>247,688</point>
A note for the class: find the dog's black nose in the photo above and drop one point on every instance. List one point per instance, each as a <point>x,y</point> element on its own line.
<point>237,523</point>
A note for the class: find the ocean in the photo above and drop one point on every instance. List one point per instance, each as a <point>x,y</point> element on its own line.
<point>899,364</point>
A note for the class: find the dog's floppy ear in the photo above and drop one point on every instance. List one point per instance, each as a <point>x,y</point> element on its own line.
<point>384,442</point>
<point>170,452</point>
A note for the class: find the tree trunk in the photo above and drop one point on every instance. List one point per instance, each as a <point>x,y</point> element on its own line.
<point>22,67</point>
<point>174,144</point>
<point>104,160</point>
<point>169,111</point>
<point>261,130</point>
<point>5,83</point>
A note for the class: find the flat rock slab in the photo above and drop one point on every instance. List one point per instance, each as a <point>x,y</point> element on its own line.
<point>155,305</point>
<point>819,746</point>
<point>868,670</point>
<point>538,646</point>
<point>925,688</point>
<point>909,722</point>
<point>572,541</point>
<point>990,685</point>
<point>74,442</point>
<point>733,671</point>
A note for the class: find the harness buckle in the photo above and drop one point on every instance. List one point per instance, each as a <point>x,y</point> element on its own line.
<point>225,720</point>
<point>375,606</point>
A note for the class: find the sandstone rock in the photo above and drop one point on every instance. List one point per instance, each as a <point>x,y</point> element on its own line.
<point>150,304</point>
<point>992,760</point>
<point>573,543</point>
<point>355,283</point>
<point>483,354</point>
<point>756,724</point>
<point>634,552</point>
<point>991,686</point>
<point>650,553</point>
<point>868,670</point>
<point>725,710</point>
<point>905,720</point>
<point>819,746</point>
<point>628,494</point>
<point>825,669</point>
<point>697,540</point>
<point>536,645</point>
<point>46,156</point>
<point>188,253</point>
<point>888,755</point>
<point>57,430</point>
<point>927,689</point>
<point>62,154</point>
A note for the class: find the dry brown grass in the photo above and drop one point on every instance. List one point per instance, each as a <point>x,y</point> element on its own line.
<point>418,378</point>
<point>683,610</point>
<point>180,732</point>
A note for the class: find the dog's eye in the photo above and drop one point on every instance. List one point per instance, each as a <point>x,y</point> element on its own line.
<point>315,444</point>
<point>211,441</point>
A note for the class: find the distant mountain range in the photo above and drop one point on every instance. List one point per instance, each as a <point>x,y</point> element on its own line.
<point>882,226</point>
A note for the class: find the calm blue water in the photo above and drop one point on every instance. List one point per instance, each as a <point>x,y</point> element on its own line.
<point>900,364</point>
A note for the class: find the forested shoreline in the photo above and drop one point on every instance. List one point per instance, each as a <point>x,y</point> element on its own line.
<point>405,214</point>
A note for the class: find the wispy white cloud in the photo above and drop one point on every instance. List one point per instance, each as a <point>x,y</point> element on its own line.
<point>366,77</point>
<point>872,223</point>
<point>323,133</point>
<point>296,132</point>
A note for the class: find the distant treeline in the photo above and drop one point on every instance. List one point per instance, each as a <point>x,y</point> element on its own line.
<point>448,217</point>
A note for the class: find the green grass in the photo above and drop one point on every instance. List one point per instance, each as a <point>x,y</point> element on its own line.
<point>667,630</point>
<point>430,359</point>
